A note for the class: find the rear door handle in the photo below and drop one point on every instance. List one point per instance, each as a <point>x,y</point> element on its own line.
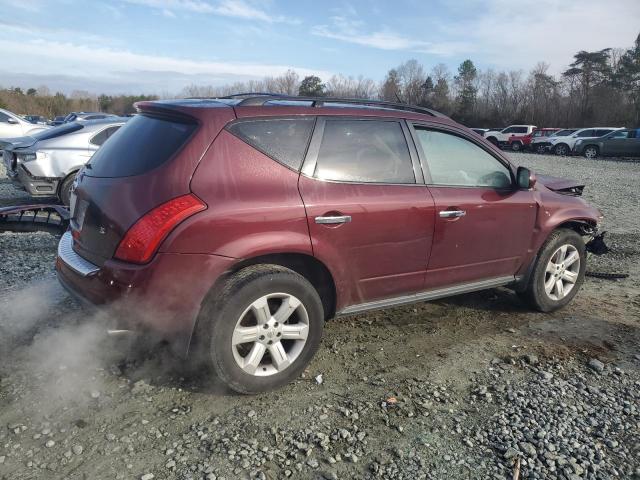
<point>452,213</point>
<point>333,219</point>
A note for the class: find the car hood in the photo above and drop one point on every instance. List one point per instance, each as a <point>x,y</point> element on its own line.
<point>17,142</point>
<point>561,185</point>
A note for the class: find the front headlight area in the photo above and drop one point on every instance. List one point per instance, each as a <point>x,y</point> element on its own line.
<point>31,156</point>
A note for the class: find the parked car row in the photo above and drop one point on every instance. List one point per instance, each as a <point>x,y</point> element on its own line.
<point>591,142</point>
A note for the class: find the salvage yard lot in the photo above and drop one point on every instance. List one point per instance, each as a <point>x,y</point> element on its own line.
<point>467,387</point>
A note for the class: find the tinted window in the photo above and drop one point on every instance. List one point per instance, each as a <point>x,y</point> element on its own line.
<point>600,133</point>
<point>143,143</point>
<point>364,151</point>
<point>622,134</point>
<point>520,129</point>
<point>3,117</point>
<point>587,133</point>
<point>283,140</point>
<point>57,131</point>
<point>564,133</point>
<point>509,130</point>
<point>455,161</point>
<point>102,136</point>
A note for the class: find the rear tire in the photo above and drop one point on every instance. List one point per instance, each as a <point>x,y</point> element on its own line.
<point>541,149</point>
<point>562,259</point>
<point>64,193</point>
<point>516,146</point>
<point>246,323</point>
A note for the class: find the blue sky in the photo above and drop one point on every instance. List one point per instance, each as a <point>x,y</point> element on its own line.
<point>160,46</point>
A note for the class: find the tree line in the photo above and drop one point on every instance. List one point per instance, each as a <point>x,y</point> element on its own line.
<point>597,88</point>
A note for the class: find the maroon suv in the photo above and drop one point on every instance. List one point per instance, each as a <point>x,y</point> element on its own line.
<point>235,227</point>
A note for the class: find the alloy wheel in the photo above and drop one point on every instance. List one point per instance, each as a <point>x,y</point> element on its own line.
<point>270,334</point>
<point>590,152</point>
<point>562,272</point>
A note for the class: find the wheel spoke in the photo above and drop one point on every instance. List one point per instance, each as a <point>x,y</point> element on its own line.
<point>298,331</point>
<point>551,267</point>
<point>562,253</point>
<point>245,335</point>
<point>279,356</point>
<point>559,289</point>
<point>570,276</point>
<point>571,259</point>
<point>253,359</point>
<point>261,310</point>
<point>289,305</point>
<point>548,285</point>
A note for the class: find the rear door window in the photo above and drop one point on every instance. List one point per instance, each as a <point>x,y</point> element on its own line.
<point>364,151</point>
<point>603,132</point>
<point>284,140</point>
<point>142,144</point>
<point>102,136</point>
<point>587,133</point>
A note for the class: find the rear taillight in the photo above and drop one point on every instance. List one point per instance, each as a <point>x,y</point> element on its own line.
<point>144,237</point>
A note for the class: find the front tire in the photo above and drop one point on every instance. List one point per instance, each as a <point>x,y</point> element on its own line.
<point>558,273</point>
<point>516,146</point>
<point>262,329</point>
<point>561,149</point>
<point>591,152</point>
<point>541,149</point>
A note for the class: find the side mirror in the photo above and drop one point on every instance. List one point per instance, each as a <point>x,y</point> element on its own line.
<point>12,121</point>
<point>525,178</point>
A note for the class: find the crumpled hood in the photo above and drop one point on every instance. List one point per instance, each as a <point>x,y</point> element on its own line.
<point>18,142</point>
<point>561,185</point>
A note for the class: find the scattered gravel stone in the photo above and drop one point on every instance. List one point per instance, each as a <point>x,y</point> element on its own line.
<point>597,365</point>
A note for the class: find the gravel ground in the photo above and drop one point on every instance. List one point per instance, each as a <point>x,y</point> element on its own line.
<point>475,386</point>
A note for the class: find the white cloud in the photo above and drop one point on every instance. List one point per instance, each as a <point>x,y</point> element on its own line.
<point>28,5</point>
<point>551,30</point>
<point>348,30</point>
<point>225,8</point>
<point>114,66</point>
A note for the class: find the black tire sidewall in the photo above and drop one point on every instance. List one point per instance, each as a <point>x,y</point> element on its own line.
<point>231,306</point>
<point>536,291</point>
<point>65,189</point>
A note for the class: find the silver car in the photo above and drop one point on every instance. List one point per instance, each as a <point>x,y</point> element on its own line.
<point>45,164</point>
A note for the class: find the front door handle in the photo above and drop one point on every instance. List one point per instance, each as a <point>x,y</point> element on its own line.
<point>452,213</point>
<point>333,219</point>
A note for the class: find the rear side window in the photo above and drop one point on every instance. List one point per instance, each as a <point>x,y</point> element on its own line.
<point>142,144</point>
<point>284,140</point>
<point>366,151</point>
<point>102,136</point>
<point>587,133</point>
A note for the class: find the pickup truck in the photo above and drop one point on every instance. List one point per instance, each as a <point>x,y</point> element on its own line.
<point>502,137</point>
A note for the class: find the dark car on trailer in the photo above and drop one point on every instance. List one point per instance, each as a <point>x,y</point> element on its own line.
<point>236,227</point>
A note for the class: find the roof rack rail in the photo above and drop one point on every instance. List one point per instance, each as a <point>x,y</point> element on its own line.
<point>260,99</point>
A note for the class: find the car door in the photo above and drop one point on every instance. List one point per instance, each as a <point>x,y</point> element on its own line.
<point>614,144</point>
<point>483,224</point>
<point>370,216</point>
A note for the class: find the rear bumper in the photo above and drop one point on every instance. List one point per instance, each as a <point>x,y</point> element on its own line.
<point>162,298</point>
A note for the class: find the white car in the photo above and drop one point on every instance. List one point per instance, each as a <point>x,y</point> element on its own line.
<point>13,126</point>
<point>564,145</point>
<point>502,137</point>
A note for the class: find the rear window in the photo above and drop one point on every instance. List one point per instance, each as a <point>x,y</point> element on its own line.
<point>142,144</point>
<point>284,140</point>
<point>57,131</point>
